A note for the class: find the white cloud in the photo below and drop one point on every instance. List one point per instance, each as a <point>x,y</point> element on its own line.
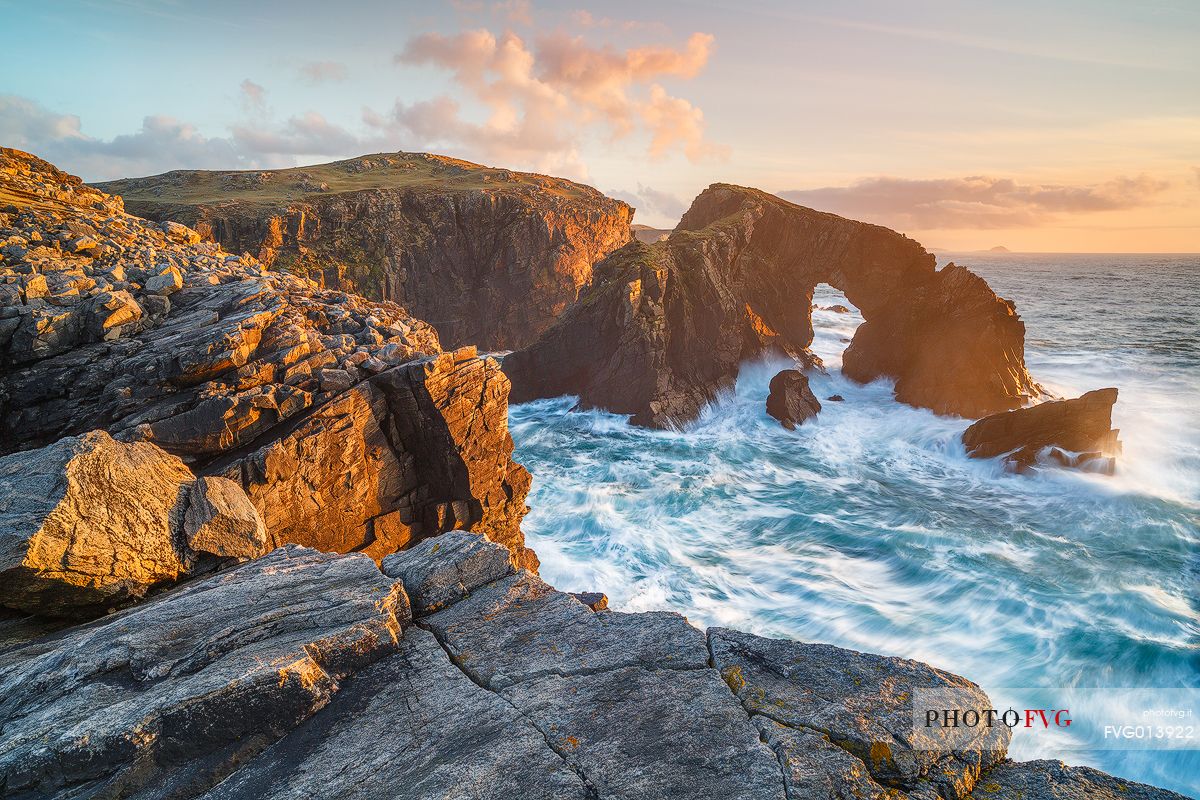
<point>316,72</point>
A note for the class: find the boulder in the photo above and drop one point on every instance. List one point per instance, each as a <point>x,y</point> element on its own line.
<point>627,700</point>
<point>791,401</point>
<point>1074,433</point>
<point>221,520</point>
<point>88,522</point>
<point>663,328</point>
<point>167,698</point>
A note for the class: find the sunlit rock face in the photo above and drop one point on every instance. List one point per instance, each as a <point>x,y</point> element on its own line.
<point>1068,433</point>
<point>490,257</point>
<point>664,326</point>
<point>340,418</point>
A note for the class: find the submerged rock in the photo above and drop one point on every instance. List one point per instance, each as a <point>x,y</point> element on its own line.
<point>1074,433</point>
<point>663,328</point>
<point>791,401</point>
<point>489,256</point>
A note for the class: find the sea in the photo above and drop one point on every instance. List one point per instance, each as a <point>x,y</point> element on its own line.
<point>869,528</point>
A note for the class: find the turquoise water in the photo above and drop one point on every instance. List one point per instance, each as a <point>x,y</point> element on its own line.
<point>869,528</point>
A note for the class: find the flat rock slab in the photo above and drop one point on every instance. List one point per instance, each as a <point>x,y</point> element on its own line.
<point>445,569</point>
<point>520,628</point>
<point>1054,780</point>
<point>410,726</point>
<point>174,692</point>
<point>862,702</point>
<point>652,733</point>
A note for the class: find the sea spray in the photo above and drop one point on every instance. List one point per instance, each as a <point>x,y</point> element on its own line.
<point>869,528</point>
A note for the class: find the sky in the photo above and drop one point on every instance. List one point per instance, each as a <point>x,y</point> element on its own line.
<point>1047,125</point>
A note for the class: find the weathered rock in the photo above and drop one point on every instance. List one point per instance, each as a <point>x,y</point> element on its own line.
<point>816,769</point>
<point>1041,433</point>
<point>1054,780</point>
<point>596,601</point>
<point>89,521</point>
<point>520,628</point>
<point>221,520</point>
<point>165,699</point>
<point>445,569</point>
<point>231,354</point>
<point>410,726</point>
<point>627,700</point>
<point>664,327</point>
<point>861,702</point>
<point>407,454</point>
<point>489,256</point>
<point>342,420</point>
<point>791,401</point>
<point>951,344</point>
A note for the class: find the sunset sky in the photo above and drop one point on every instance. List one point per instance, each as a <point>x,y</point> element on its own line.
<point>1040,126</point>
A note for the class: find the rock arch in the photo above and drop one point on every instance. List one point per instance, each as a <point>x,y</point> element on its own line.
<point>663,327</point>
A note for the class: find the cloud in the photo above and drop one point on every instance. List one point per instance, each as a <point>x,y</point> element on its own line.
<point>316,72</point>
<point>974,202</point>
<point>650,201</point>
<point>550,93</point>
<point>254,97</point>
<point>526,103</point>
<point>162,143</point>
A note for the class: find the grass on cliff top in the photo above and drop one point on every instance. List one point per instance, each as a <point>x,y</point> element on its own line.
<point>380,171</point>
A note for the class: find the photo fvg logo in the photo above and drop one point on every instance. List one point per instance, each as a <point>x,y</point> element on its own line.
<point>954,717</point>
<point>1103,719</point>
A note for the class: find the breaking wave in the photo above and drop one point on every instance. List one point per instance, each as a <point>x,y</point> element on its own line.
<point>869,528</point>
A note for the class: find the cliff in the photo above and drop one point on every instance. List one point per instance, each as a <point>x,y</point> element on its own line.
<point>489,257</point>
<point>178,422</point>
<point>664,327</point>
<point>340,419</point>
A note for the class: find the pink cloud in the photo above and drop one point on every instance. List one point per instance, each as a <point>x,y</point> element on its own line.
<point>974,202</point>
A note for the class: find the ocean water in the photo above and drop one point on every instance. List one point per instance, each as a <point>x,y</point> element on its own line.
<point>869,528</point>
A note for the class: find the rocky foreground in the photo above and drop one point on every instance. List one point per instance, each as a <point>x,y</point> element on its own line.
<point>664,327</point>
<point>451,673</point>
<point>488,256</point>
<point>186,436</point>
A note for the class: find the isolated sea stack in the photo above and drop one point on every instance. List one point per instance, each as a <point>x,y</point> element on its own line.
<point>791,401</point>
<point>488,256</point>
<point>1069,433</point>
<point>664,327</point>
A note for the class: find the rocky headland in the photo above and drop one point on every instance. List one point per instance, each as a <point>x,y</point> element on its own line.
<point>489,257</point>
<point>663,327</point>
<point>260,539</point>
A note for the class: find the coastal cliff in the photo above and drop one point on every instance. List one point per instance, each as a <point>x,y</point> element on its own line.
<point>489,257</point>
<point>185,432</point>
<point>664,327</point>
<point>341,419</point>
